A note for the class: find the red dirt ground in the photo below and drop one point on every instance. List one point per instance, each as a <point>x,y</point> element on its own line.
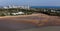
<point>27,21</point>
<point>40,19</point>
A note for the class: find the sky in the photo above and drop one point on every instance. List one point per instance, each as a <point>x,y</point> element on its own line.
<point>30,2</point>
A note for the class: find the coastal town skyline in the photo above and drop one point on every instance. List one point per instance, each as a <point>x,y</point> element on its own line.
<point>30,2</point>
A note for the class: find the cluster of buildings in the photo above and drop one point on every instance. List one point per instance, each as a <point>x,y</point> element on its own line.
<point>13,6</point>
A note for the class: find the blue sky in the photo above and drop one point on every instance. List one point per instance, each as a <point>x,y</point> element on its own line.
<point>30,2</point>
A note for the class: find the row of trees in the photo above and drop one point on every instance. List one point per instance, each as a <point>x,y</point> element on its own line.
<point>7,12</point>
<point>52,12</point>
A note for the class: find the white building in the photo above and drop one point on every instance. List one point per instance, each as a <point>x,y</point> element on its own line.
<point>53,11</point>
<point>19,13</point>
<point>5,7</point>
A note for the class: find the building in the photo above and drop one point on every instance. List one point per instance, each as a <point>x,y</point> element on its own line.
<point>18,13</point>
<point>5,7</point>
<point>13,6</point>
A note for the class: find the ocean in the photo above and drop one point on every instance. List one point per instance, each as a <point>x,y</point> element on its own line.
<point>45,6</point>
